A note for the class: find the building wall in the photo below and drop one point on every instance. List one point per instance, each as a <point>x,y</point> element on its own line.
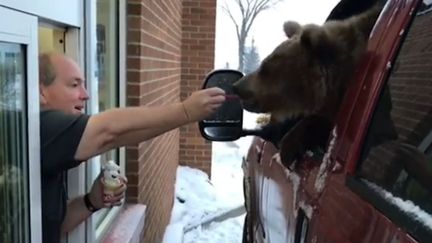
<point>170,49</point>
<point>198,45</point>
<point>153,79</point>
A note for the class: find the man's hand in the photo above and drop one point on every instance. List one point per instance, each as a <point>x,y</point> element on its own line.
<point>203,103</point>
<point>99,199</point>
<point>77,212</point>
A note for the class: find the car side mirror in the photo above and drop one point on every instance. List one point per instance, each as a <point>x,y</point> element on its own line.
<point>226,123</point>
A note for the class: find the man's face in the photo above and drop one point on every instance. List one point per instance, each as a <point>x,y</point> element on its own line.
<point>67,92</point>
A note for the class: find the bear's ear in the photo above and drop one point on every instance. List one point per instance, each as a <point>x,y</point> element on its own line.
<point>318,42</point>
<point>291,28</point>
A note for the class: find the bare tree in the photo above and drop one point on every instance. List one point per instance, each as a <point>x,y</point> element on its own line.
<point>249,10</point>
<point>251,58</point>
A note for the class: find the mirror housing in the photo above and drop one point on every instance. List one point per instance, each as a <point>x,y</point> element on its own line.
<point>226,124</point>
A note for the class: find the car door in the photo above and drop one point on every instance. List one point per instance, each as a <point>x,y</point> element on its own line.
<point>384,143</point>
<point>253,172</point>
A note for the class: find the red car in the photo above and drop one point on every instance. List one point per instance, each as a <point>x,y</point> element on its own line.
<point>373,180</point>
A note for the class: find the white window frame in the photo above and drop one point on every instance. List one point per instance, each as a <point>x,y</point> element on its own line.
<point>94,233</point>
<point>62,11</point>
<point>24,31</point>
<point>76,177</point>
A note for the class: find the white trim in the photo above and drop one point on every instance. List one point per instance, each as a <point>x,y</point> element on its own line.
<point>20,32</point>
<point>122,69</point>
<point>90,51</point>
<point>76,176</point>
<point>24,31</point>
<point>99,232</point>
<point>61,11</point>
<point>114,212</point>
<point>34,137</point>
<point>73,44</point>
<point>129,225</point>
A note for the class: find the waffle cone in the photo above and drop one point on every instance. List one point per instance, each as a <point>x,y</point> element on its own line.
<point>110,188</point>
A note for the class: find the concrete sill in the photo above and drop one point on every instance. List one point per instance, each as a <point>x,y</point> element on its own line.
<point>128,227</point>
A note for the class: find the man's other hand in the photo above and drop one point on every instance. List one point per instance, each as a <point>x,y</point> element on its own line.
<point>100,200</point>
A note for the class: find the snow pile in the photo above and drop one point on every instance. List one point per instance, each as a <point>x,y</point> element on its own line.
<point>196,199</point>
<point>323,170</point>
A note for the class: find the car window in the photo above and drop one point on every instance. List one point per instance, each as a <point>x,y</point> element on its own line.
<point>396,160</point>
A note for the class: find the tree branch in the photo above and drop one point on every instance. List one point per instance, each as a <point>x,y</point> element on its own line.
<point>249,10</point>
<point>228,12</point>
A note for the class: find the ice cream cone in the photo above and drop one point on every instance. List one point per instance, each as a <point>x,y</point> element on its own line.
<point>110,187</point>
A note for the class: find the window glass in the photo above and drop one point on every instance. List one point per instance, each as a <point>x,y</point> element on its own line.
<point>397,157</point>
<point>14,202</point>
<point>107,69</point>
<point>107,58</point>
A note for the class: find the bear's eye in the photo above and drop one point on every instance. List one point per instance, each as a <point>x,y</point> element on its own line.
<point>118,171</point>
<point>270,65</point>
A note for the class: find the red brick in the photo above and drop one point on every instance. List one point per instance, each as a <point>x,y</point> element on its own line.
<point>165,64</point>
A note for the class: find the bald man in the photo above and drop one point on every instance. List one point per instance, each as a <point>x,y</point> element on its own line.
<point>69,137</point>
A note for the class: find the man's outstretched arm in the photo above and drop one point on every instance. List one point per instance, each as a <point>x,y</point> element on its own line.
<point>122,126</point>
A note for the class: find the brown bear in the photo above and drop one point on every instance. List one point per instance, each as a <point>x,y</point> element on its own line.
<point>306,77</point>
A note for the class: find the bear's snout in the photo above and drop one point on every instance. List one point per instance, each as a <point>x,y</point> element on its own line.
<point>242,89</point>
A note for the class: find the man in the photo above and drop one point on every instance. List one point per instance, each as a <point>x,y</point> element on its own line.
<point>69,137</point>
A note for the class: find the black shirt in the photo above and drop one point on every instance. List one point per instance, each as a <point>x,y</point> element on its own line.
<point>60,136</point>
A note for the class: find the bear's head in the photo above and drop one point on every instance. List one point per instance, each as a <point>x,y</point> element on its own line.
<point>308,69</point>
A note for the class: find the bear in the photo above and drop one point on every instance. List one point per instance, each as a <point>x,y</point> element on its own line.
<point>305,78</point>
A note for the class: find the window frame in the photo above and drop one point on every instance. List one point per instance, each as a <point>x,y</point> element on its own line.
<point>392,211</point>
<point>366,191</point>
<point>24,32</point>
<point>76,184</point>
<point>401,218</point>
<point>91,170</point>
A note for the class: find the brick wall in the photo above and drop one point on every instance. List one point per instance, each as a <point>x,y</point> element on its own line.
<point>153,79</point>
<point>170,49</point>
<point>198,44</point>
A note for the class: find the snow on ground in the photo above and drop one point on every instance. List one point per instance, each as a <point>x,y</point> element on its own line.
<point>199,199</point>
<point>227,173</point>
<point>228,231</point>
